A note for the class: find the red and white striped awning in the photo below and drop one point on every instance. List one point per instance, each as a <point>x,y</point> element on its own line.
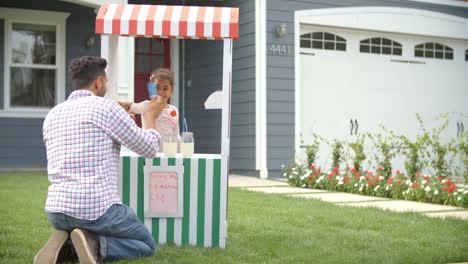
<point>190,22</point>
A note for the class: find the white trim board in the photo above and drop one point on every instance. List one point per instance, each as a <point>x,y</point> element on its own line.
<point>457,3</point>
<point>260,89</point>
<point>383,19</point>
<point>388,19</point>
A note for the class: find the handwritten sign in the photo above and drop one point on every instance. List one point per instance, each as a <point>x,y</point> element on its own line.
<point>163,191</point>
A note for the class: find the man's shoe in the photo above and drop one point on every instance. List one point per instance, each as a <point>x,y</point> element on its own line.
<point>86,245</point>
<point>49,254</point>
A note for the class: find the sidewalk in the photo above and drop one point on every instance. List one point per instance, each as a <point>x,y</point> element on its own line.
<point>346,199</point>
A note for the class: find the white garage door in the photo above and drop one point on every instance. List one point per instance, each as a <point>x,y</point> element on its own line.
<point>377,78</point>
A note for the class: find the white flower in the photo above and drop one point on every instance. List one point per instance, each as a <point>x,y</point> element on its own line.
<point>321,177</point>
<point>427,188</point>
<point>376,188</point>
<point>424,182</point>
<point>460,190</point>
<point>284,174</point>
<point>381,178</point>
<point>282,166</point>
<point>386,188</point>
<point>408,182</point>
<point>355,185</point>
<point>465,191</point>
<point>459,198</point>
<point>436,192</point>
<point>360,189</point>
<point>361,178</point>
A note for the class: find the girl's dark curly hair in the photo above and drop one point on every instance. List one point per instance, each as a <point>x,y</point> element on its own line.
<point>85,70</point>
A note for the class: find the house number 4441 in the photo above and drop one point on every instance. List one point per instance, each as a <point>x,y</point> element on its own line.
<point>278,49</point>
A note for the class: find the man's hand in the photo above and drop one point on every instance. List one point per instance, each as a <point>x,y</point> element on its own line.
<point>125,106</point>
<point>155,107</point>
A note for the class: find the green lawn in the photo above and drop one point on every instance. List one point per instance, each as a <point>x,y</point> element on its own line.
<point>263,228</point>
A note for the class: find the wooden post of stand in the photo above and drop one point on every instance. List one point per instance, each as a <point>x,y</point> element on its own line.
<point>225,135</point>
<point>110,52</point>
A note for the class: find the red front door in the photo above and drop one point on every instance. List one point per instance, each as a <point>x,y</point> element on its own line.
<point>150,54</point>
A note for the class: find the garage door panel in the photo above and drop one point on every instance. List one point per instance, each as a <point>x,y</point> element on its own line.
<point>379,89</point>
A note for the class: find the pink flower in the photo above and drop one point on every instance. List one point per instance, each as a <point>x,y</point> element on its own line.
<point>451,188</point>
<point>353,170</point>
<point>379,169</point>
<point>370,184</point>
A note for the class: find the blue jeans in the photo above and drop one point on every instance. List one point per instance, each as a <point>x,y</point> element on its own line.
<point>121,234</point>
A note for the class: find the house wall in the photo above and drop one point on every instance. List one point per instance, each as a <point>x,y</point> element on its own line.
<point>280,69</point>
<point>21,140</point>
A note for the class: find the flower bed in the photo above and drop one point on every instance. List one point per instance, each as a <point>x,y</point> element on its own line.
<point>423,188</point>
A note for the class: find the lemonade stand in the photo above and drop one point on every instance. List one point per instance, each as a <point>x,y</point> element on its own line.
<point>181,200</point>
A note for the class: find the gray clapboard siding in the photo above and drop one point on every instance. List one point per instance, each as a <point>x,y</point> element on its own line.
<point>22,145</point>
<point>2,66</point>
<point>280,69</point>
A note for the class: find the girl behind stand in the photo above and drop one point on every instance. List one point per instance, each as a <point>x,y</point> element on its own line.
<point>168,120</point>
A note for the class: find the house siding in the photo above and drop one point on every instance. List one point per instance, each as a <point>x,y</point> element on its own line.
<point>2,58</point>
<point>22,138</point>
<point>280,69</point>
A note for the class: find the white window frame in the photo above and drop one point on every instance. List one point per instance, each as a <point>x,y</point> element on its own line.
<point>27,16</point>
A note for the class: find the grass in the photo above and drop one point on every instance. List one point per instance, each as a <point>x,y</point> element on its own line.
<point>263,228</point>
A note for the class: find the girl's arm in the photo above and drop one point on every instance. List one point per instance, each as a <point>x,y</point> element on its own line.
<point>139,108</point>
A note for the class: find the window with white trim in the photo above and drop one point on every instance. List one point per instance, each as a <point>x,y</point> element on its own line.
<point>323,40</point>
<point>466,55</point>
<point>433,50</point>
<point>34,72</point>
<point>378,45</point>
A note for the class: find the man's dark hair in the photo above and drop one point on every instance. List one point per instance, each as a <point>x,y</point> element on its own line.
<point>85,70</point>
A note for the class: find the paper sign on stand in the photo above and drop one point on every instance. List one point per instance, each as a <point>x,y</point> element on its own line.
<point>164,191</point>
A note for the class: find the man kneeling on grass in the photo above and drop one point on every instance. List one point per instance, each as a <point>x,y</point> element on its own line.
<point>83,136</point>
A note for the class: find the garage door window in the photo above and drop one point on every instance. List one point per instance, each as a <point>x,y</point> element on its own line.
<point>323,40</point>
<point>380,46</point>
<point>433,50</point>
<point>466,55</point>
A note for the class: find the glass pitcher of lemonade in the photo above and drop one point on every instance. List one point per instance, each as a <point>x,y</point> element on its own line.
<point>187,144</point>
<point>170,144</point>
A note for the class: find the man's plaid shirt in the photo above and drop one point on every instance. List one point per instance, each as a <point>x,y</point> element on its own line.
<point>83,136</point>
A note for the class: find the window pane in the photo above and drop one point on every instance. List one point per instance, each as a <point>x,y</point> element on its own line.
<point>143,45</point>
<point>317,35</point>
<point>376,41</point>
<point>439,55</point>
<point>364,48</point>
<point>386,50</point>
<point>429,54</point>
<point>439,46</point>
<point>365,41</point>
<point>420,46</point>
<point>317,44</point>
<point>305,43</point>
<point>447,48</point>
<point>329,45</point>
<point>157,46</point>
<point>157,62</point>
<point>33,44</point>
<point>329,36</point>
<point>466,55</point>
<point>449,56</point>
<point>418,53</point>
<point>397,51</point>
<point>396,44</point>
<point>143,63</point>
<point>375,49</point>
<point>429,46</point>
<point>32,87</point>
<point>386,41</point>
<point>306,36</point>
<point>338,38</point>
<point>340,46</point>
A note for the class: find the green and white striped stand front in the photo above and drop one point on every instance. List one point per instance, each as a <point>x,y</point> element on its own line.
<point>204,200</point>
